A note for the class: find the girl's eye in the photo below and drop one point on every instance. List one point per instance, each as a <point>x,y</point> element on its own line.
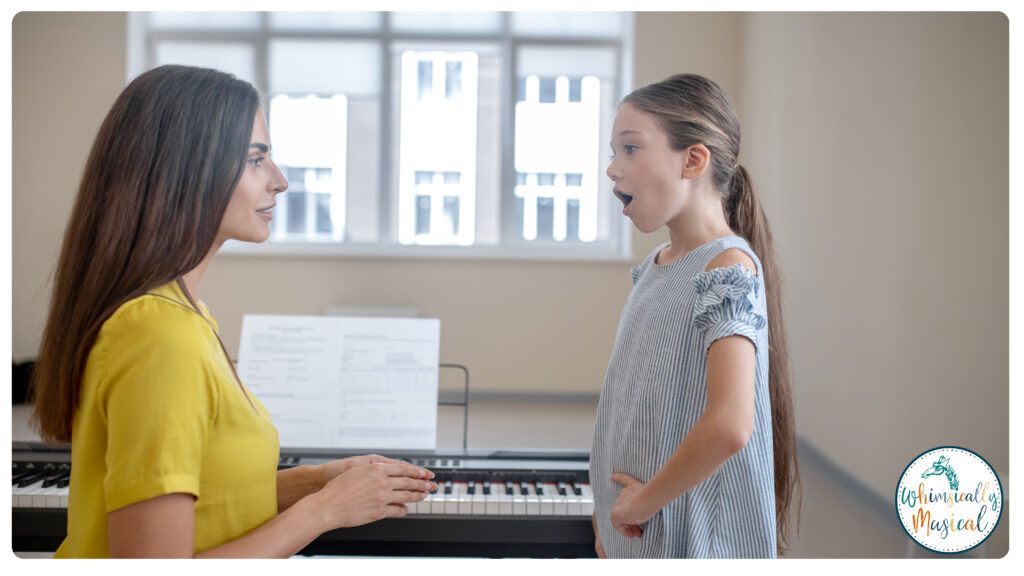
<point>629,148</point>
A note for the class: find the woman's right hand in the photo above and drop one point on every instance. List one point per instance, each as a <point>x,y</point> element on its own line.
<point>370,492</point>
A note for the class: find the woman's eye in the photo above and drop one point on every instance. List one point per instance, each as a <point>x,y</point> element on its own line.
<point>256,161</point>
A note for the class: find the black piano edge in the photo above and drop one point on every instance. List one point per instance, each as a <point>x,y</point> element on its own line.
<point>43,529</point>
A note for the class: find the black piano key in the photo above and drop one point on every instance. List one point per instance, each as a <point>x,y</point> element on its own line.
<point>561,489</point>
<point>63,482</point>
<point>508,489</point>
<point>471,487</point>
<point>523,490</point>
<point>17,477</point>
<point>540,490</point>
<point>52,480</point>
<point>576,488</point>
<point>448,487</point>
<point>487,488</point>
<point>31,479</point>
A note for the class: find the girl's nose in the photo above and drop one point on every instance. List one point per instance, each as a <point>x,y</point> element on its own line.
<point>612,172</point>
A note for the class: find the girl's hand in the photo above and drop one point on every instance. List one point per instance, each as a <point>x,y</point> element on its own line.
<point>598,548</point>
<point>368,492</point>
<point>626,515</point>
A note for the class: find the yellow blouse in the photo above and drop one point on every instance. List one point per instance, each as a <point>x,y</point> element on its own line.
<point>161,412</point>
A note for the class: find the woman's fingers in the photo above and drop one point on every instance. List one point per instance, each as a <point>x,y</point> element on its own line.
<point>406,496</point>
<point>411,484</point>
<point>403,469</point>
<point>395,511</point>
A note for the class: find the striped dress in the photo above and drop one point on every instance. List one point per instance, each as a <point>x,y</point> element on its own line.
<point>654,391</point>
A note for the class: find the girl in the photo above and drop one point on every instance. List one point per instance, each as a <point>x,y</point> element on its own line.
<point>694,448</point>
<point>171,454</point>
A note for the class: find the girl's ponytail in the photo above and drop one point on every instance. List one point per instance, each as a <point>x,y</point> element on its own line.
<point>746,217</point>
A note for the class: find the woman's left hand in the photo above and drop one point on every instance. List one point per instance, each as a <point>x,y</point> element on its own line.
<point>626,515</point>
<point>331,470</point>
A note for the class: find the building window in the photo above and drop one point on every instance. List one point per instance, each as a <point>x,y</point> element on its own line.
<point>432,133</point>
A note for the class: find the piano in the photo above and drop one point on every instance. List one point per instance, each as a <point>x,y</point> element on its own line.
<point>492,504</point>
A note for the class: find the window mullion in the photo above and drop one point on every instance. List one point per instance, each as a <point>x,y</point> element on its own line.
<point>387,235</point>
<point>507,202</point>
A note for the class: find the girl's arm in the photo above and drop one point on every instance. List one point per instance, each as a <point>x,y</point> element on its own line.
<point>164,526</point>
<point>721,431</point>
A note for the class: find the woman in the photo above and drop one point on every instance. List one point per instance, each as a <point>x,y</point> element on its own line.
<point>171,455</point>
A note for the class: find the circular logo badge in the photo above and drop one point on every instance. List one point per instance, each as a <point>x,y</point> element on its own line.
<point>949,499</point>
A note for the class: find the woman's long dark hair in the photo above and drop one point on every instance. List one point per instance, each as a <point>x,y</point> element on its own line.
<point>694,110</point>
<point>158,180</point>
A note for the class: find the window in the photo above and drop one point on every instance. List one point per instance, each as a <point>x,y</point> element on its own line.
<point>450,133</point>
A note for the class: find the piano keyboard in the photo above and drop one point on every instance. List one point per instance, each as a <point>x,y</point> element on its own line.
<point>40,485</point>
<point>486,498</point>
<point>492,504</point>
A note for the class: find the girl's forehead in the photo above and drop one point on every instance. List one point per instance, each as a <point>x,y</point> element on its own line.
<point>630,119</point>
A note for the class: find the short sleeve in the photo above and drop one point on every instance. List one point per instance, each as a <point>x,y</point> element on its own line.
<point>158,399</point>
<point>727,304</point>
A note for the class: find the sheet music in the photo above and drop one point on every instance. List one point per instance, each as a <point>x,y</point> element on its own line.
<point>345,382</point>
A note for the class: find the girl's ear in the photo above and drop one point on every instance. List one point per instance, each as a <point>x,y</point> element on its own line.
<point>695,160</point>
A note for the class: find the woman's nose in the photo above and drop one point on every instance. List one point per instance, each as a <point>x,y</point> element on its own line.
<point>278,182</point>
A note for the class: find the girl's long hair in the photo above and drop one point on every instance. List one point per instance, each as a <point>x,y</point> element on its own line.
<point>694,110</point>
<point>157,182</point>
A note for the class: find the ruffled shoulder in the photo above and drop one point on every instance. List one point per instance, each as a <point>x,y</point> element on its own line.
<point>727,299</point>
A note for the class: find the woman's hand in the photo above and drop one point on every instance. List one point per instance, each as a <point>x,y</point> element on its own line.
<point>330,470</point>
<point>367,492</point>
<point>627,515</point>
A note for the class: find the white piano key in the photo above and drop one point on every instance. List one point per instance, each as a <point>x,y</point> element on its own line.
<point>479,505</point>
<point>548,499</point>
<point>451,505</point>
<point>464,499</point>
<point>414,507</point>
<point>587,503</point>
<point>48,497</point>
<point>505,500</point>
<point>21,496</point>
<point>518,501</point>
<point>532,501</point>
<point>574,506</point>
<point>440,499</point>
<point>493,500</point>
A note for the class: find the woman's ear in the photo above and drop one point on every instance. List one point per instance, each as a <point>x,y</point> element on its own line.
<point>695,160</point>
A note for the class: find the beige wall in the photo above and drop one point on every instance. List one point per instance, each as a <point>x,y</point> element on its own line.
<point>879,143</point>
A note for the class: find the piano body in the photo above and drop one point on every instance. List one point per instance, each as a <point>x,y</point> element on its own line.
<point>505,503</point>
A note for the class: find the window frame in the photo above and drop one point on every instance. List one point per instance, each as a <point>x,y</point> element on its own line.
<point>143,42</point>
